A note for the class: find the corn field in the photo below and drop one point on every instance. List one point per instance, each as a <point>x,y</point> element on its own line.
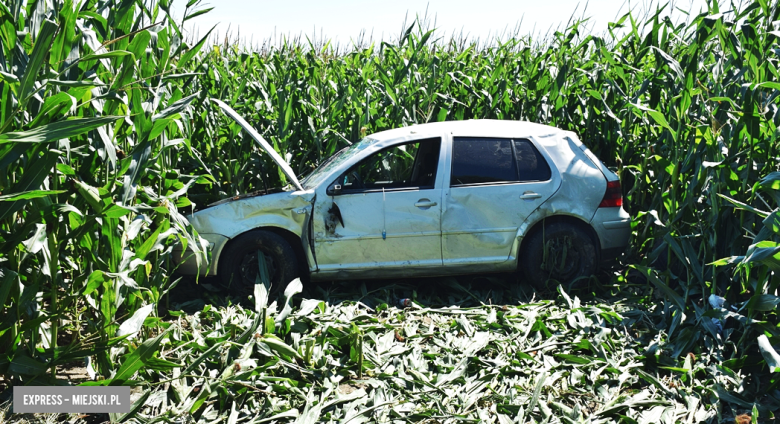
<point>108,140</point>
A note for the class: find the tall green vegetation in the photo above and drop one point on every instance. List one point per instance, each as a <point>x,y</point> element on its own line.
<point>107,133</point>
<point>93,124</point>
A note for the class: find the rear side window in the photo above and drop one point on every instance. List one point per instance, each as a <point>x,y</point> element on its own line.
<point>531,165</point>
<point>481,160</point>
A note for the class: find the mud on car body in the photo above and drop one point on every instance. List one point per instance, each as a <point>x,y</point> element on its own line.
<point>434,199</point>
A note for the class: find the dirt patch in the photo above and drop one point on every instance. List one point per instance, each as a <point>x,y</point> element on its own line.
<point>75,372</point>
<point>347,388</point>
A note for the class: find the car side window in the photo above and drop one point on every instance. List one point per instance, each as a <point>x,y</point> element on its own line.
<point>479,160</point>
<point>531,165</point>
<point>483,160</point>
<point>409,165</point>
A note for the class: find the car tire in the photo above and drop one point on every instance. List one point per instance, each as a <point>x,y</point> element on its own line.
<point>572,256</point>
<point>238,265</point>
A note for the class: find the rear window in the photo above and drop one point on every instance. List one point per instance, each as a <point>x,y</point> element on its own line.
<point>482,160</point>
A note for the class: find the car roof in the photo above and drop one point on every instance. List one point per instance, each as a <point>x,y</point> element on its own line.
<point>473,127</point>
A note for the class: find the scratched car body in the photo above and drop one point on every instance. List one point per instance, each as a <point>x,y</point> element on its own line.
<point>425,200</point>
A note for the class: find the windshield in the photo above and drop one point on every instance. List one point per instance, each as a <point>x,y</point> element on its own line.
<point>333,162</point>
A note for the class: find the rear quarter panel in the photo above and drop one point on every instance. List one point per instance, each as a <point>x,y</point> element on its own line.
<point>582,183</point>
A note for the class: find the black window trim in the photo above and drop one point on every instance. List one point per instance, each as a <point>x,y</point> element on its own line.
<point>514,158</point>
<point>379,190</point>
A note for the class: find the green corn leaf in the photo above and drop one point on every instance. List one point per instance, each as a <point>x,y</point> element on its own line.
<point>134,409</point>
<point>763,302</point>
<point>32,194</point>
<point>106,55</point>
<point>42,47</point>
<point>769,353</point>
<point>279,347</point>
<point>766,252</point>
<point>7,280</point>
<point>205,355</point>
<point>37,171</point>
<point>650,274</point>
<point>132,325</point>
<point>577,359</point>
<point>161,365</point>
<point>727,261</point>
<point>95,280</point>
<point>66,35</point>
<point>744,206</point>
<point>116,211</point>
<point>197,13</point>
<point>176,107</point>
<point>24,365</point>
<point>90,194</point>
<point>135,171</point>
<point>658,117</point>
<point>189,54</point>
<point>147,245</point>
<point>92,15</point>
<point>137,359</point>
<point>537,392</point>
<point>57,130</point>
<point>5,77</point>
<point>7,27</point>
<point>673,64</point>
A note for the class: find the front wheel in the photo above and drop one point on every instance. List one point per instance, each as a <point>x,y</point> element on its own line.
<point>240,264</point>
<point>559,252</point>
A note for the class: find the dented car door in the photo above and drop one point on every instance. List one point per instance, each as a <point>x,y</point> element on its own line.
<point>385,211</point>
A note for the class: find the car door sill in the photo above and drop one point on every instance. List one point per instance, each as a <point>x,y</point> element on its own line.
<point>380,265</point>
<point>377,236</point>
<point>493,260</point>
<point>481,230</point>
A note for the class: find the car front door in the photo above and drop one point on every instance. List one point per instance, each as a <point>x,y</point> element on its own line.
<point>494,185</point>
<point>383,213</point>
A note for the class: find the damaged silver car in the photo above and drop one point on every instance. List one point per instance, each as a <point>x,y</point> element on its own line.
<point>477,196</point>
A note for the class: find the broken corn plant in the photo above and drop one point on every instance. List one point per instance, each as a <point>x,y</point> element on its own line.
<point>450,358</point>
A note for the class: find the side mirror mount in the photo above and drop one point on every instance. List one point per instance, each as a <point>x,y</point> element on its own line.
<point>334,190</point>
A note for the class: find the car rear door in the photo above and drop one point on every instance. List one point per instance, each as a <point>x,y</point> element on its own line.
<point>493,186</point>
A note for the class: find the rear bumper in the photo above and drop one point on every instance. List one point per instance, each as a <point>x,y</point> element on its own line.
<point>185,259</point>
<point>613,227</point>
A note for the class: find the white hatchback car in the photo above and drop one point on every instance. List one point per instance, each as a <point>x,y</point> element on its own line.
<point>435,199</point>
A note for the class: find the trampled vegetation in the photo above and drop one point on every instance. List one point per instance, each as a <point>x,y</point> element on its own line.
<point>108,139</point>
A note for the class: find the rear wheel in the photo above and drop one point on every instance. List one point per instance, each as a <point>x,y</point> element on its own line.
<point>240,263</point>
<point>558,253</point>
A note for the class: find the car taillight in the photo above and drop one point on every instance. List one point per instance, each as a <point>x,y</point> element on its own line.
<point>613,197</point>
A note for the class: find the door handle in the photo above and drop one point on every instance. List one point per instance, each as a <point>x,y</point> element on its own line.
<point>425,203</point>
<point>529,195</point>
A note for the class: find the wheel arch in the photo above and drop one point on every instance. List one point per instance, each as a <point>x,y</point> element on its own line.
<point>566,219</point>
<point>291,238</point>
